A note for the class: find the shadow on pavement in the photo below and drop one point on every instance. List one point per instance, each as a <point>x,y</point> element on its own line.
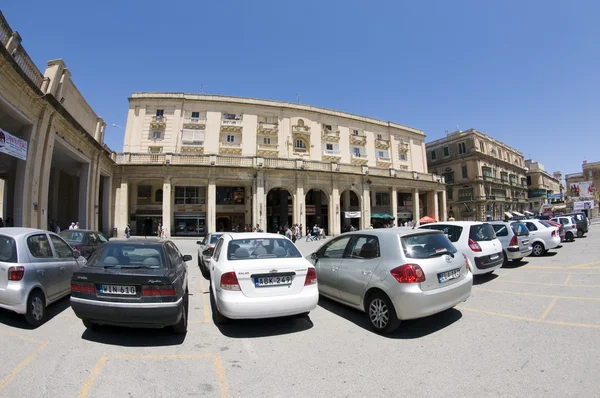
<point>15,320</point>
<point>130,337</point>
<point>411,329</point>
<point>549,254</point>
<point>514,264</point>
<point>480,279</point>
<point>252,328</point>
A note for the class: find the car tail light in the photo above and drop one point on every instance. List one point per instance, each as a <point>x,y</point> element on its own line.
<point>16,273</point>
<point>514,241</point>
<point>408,273</point>
<point>158,290</point>
<point>211,249</point>
<point>229,281</point>
<point>474,245</point>
<point>311,277</point>
<point>553,232</point>
<point>467,263</point>
<point>82,287</point>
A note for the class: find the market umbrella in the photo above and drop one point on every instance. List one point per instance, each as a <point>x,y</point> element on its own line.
<point>381,216</point>
<point>426,219</point>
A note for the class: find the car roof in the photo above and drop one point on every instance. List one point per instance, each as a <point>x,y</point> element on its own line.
<point>139,241</point>
<point>80,230</point>
<point>458,223</point>
<point>253,235</point>
<point>18,231</point>
<point>402,231</point>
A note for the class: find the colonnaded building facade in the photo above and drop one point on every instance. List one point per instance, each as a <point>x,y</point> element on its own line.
<point>204,163</point>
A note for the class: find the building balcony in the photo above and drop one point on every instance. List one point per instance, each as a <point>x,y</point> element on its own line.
<point>358,139</point>
<point>268,128</point>
<point>194,123</point>
<point>465,199</point>
<point>301,130</point>
<point>158,122</point>
<point>301,151</point>
<point>403,147</point>
<point>383,161</point>
<point>192,146</point>
<point>267,150</point>
<point>330,135</point>
<point>359,159</point>
<point>332,155</point>
<point>382,144</point>
<point>230,148</point>
<point>231,125</point>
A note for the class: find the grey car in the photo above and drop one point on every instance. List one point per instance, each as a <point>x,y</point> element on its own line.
<point>393,274</point>
<point>205,251</point>
<point>570,226</point>
<point>514,237</point>
<point>35,270</point>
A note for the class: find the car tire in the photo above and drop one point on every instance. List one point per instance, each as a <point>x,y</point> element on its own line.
<point>579,233</point>
<point>570,237</point>
<point>382,314</point>
<point>505,259</point>
<point>89,325</point>
<point>538,249</point>
<point>218,318</point>
<point>36,308</point>
<point>181,326</point>
<point>205,272</point>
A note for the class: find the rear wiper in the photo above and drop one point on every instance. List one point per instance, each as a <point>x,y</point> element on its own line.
<point>439,253</point>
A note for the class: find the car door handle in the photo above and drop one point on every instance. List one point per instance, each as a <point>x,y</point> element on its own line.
<point>366,272</point>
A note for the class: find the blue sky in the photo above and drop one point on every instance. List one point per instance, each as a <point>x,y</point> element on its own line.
<point>524,72</point>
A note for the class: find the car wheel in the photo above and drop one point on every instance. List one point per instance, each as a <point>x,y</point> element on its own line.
<point>36,308</point>
<point>181,327</point>
<point>579,233</point>
<point>90,325</point>
<point>218,318</point>
<point>205,272</point>
<point>538,249</point>
<point>570,237</point>
<point>505,260</point>
<point>381,314</point>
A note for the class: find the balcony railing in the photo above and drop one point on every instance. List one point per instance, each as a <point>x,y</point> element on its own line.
<point>359,158</point>
<point>383,159</point>
<point>300,150</point>
<point>331,154</point>
<point>301,129</point>
<point>268,128</point>
<point>330,135</point>
<point>230,147</point>
<point>403,147</point>
<point>382,144</point>
<point>194,122</point>
<point>267,149</point>
<point>158,122</point>
<point>358,139</point>
<point>231,124</point>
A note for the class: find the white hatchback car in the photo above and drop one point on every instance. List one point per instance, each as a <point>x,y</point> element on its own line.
<point>260,275</point>
<point>476,240</point>
<point>542,236</point>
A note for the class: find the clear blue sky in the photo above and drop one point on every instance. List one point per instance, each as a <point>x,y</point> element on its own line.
<point>524,72</point>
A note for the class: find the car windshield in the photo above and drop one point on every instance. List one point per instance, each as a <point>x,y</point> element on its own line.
<point>214,238</point>
<point>545,224</point>
<point>8,249</point>
<point>426,245</point>
<point>520,229</point>
<point>73,236</point>
<point>482,232</point>
<point>128,255</point>
<point>247,249</point>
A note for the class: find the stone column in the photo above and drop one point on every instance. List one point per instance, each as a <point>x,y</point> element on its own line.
<point>373,197</point>
<point>365,219</point>
<point>444,207</point>
<point>416,215</point>
<point>84,180</point>
<point>248,205</point>
<point>346,194</point>
<point>394,204</point>
<point>334,219</point>
<point>55,191</point>
<point>301,206</point>
<point>211,205</point>
<point>107,204</point>
<point>167,214</point>
<point>122,207</point>
<point>436,209</point>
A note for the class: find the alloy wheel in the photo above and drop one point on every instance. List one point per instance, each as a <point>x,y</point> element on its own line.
<point>37,308</point>
<point>538,250</point>
<point>378,313</point>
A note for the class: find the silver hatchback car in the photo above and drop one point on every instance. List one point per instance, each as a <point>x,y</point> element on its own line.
<point>35,270</point>
<point>393,274</point>
<point>514,237</point>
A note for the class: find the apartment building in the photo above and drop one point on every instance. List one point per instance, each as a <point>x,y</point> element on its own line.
<point>200,163</point>
<point>582,189</point>
<point>544,190</point>
<point>484,176</point>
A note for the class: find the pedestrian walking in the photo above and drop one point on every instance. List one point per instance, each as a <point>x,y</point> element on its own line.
<point>127,231</point>
<point>300,230</point>
<point>159,230</point>
<point>76,225</point>
<point>72,226</point>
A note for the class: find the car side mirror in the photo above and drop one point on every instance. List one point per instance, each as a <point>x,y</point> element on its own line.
<point>187,257</point>
<point>76,254</point>
<point>207,253</point>
<point>314,256</point>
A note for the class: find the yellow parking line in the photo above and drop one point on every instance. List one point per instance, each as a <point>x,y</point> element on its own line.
<point>585,265</point>
<point>550,306</point>
<point>87,386</point>
<point>543,267</point>
<point>535,294</point>
<point>23,363</point>
<point>175,356</point>
<point>205,304</point>
<point>18,336</point>
<point>221,376</point>
<point>545,283</point>
<point>566,282</point>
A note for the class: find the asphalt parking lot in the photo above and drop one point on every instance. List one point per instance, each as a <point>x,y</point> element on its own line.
<point>531,329</point>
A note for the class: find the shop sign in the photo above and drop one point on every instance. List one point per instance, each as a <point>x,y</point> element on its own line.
<point>582,189</point>
<point>13,146</point>
<point>184,208</point>
<point>352,214</point>
<point>583,205</point>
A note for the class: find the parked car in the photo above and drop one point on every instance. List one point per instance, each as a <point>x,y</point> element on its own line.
<point>393,274</point>
<point>84,241</point>
<point>582,223</point>
<point>561,229</point>
<point>260,275</point>
<point>514,237</point>
<point>133,283</point>
<point>206,248</point>
<point>35,271</point>
<point>476,240</point>
<point>569,226</point>
<point>542,236</point>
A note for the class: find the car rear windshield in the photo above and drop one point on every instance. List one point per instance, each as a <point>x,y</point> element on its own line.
<point>127,255</point>
<point>8,249</point>
<point>451,231</point>
<point>73,236</point>
<point>482,232</point>
<point>545,224</point>
<point>426,245</point>
<point>214,238</point>
<point>247,249</point>
<point>520,229</point>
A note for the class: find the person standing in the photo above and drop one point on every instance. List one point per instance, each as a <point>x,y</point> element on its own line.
<point>76,225</point>
<point>288,232</point>
<point>300,230</point>
<point>72,226</point>
<point>159,230</point>
<point>127,231</point>
<point>163,232</point>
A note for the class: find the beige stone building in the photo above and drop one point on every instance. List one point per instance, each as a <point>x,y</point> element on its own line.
<point>544,190</point>
<point>590,174</point>
<point>200,163</point>
<point>484,177</point>
<point>53,163</point>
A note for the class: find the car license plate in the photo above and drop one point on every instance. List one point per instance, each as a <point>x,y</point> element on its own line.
<point>114,289</point>
<point>494,256</point>
<point>273,281</point>
<point>449,275</point>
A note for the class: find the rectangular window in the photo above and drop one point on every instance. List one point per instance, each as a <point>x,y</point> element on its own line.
<point>433,156</point>
<point>356,151</point>
<point>482,146</point>
<point>528,180</point>
<point>230,195</point>
<point>465,194</point>
<point>160,112</point>
<point>403,157</point>
<point>267,140</point>
<point>380,154</point>
<point>192,137</point>
<point>156,135</point>
<point>465,173</point>
<point>462,148</point>
<point>231,116</point>
<point>355,132</point>
<point>144,191</point>
<point>450,193</point>
<point>446,151</point>
<point>189,196</point>
<point>382,199</point>
<point>230,138</point>
<point>195,115</point>
<point>449,177</point>
<point>328,127</point>
<point>330,147</point>
<point>379,136</point>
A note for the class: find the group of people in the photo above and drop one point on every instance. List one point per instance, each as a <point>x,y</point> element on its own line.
<point>54,227</point>
<point>317,233</point>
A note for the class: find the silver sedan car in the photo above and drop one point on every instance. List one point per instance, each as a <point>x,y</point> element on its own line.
<point>393,274</point>
<point>35,270</point>
<point>206,247</point>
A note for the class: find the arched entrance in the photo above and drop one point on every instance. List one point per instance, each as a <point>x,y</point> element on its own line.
<point>350,214</point>
<point>280,207</point>
<point>316,209</point>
